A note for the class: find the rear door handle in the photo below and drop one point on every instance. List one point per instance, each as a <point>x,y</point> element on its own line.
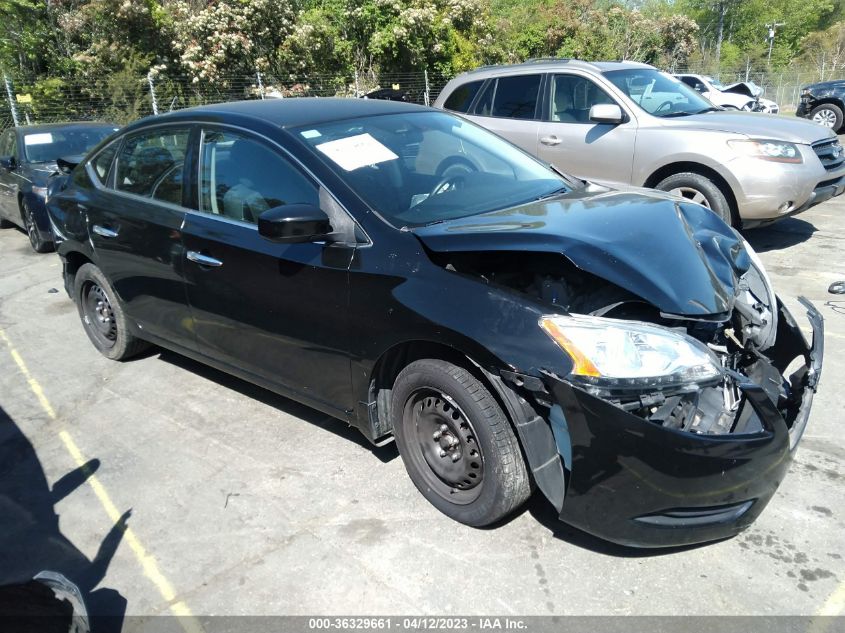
<point>104,231</point>
<point>550,140</point>
<point>203,260</point>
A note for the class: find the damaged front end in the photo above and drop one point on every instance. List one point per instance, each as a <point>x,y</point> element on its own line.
<point>689,384</point>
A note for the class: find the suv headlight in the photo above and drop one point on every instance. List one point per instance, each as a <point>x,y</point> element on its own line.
<point>775,151</point>
<point>610,354</point>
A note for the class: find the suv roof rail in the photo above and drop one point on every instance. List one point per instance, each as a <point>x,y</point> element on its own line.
<point>543,60</point>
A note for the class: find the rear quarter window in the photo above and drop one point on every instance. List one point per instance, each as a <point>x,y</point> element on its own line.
<point>462,96</point>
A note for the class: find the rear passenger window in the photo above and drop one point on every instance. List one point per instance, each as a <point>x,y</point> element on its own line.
<point>516,97</point>
<point>461,98</point>
<point>101,163</point>
<point>151,164</point>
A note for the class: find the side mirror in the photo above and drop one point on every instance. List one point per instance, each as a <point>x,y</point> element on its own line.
<point>8,163</point>
<point>606,113</point>
<point>294,223</point>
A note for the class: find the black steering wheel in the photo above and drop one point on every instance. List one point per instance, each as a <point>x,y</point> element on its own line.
<point>666,105</point>
<point>447,183</point>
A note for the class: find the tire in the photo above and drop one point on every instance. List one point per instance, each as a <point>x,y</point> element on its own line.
<point>827,114</point>
<point>700,189</point>
<point>29,224</point>
<point>102,315</point>
<point>441,411</point>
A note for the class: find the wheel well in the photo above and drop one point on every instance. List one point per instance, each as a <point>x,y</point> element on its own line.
<point>702,170</point>
<point>829,100</point>
<point>394,360</point>
<point>74,261</point>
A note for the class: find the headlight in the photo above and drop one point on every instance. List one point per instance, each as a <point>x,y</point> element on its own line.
<point>617,355</point>
<point>775,151</point>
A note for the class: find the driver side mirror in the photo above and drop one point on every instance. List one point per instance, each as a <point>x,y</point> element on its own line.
<point>607,113</point>
<point>8,163</point>
<point>294,223</point>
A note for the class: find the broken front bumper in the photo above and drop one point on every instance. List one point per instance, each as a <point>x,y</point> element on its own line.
<point>636,483</point>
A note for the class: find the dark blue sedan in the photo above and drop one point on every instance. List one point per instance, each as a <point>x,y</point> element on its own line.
<point>27,158</point>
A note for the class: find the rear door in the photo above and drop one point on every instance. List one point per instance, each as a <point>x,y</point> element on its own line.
<point>510,106</point>
<point>135,226</point>
<point>277,312</point>
<point>576,145</point>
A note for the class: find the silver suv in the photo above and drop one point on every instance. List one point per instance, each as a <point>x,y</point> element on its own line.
<point>625,123</point>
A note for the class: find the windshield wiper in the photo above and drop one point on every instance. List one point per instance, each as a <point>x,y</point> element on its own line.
<point>710,109</point>
<point>554,193</point>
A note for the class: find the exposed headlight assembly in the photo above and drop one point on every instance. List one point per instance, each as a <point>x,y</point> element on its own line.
<point>774,151</point>
<point>610,355</point>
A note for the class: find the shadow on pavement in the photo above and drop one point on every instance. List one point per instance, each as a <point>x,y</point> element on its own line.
<point>783,234</point>
<point>30,539</point>
<point>319,419</point>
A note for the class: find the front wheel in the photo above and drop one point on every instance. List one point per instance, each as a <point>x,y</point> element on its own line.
<point>828,115</point>
<point>457,445</point>
<point>38,244</point>
<point>699,189</point>
<point>102,315</point>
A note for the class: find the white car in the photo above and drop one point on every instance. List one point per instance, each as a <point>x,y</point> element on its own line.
<point>743,95</point>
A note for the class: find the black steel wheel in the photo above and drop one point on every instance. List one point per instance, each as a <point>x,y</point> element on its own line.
<point>38,244</point>
<point>457,444</point>
<point>102,315</point>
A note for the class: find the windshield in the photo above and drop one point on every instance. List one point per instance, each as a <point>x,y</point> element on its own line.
<point>47,146</point>
<point>718,85</point>
<point>424,167</point>
<point>658,93</point>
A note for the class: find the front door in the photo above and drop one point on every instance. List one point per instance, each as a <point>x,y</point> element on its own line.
<point>578,146</point>
<point>135,225</point>
<point>276,311</point>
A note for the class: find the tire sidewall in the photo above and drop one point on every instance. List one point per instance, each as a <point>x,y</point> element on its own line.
<point>837,113</point>
<point>430,374</point>
<point>39,245</point>
<point>715,198</point>
<point>87,274</point>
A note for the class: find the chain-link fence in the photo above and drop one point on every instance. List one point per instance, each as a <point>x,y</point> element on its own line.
<point>123,98</point>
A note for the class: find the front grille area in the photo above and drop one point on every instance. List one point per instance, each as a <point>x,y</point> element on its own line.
<point>830,153</point>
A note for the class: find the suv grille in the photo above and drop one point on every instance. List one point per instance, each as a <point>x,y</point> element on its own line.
<point>830,153</point>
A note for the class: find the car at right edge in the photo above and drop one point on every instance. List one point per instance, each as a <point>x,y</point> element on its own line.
<point>626,123</point>
<point>823,103</point>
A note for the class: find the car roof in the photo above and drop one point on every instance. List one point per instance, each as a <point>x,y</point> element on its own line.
<point>292,112</point>
<point>48,127</point>
<point>546,64</point>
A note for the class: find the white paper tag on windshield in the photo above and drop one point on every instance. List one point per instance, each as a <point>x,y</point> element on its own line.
<point>356,151</point>
<point>38,139</point>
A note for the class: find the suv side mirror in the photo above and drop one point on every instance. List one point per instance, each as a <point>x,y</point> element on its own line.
<point>606,113</point>
<point>294,223</point>
<point>8,163</point>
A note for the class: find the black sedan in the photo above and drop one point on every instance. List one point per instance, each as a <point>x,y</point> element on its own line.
<point>418,277</point>
<point>27,159</point>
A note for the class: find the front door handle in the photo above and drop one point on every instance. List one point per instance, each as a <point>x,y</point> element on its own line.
<point>104,231</point>
<point>203,260</point>
<point>550,140</point>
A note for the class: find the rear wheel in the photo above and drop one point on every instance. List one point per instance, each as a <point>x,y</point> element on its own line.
<point>828,115</point>
<point>457,445</point>
<point>102,316</point>
<point>38,244</point>
<point>699,189</point>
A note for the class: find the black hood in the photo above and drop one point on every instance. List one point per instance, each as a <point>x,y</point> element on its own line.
<point>679,257</point>
<point>836,83</point>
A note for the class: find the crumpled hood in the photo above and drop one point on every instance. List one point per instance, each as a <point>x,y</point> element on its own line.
<point>790,129</point>
<point>679,257</point>
<point>747,88</point>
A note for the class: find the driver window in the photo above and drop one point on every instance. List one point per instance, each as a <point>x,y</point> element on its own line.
<point>572,98</point>
<point>241,177</point>
<point>151,164</point>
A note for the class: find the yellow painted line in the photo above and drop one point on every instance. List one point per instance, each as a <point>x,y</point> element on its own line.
<point>147,561</point>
